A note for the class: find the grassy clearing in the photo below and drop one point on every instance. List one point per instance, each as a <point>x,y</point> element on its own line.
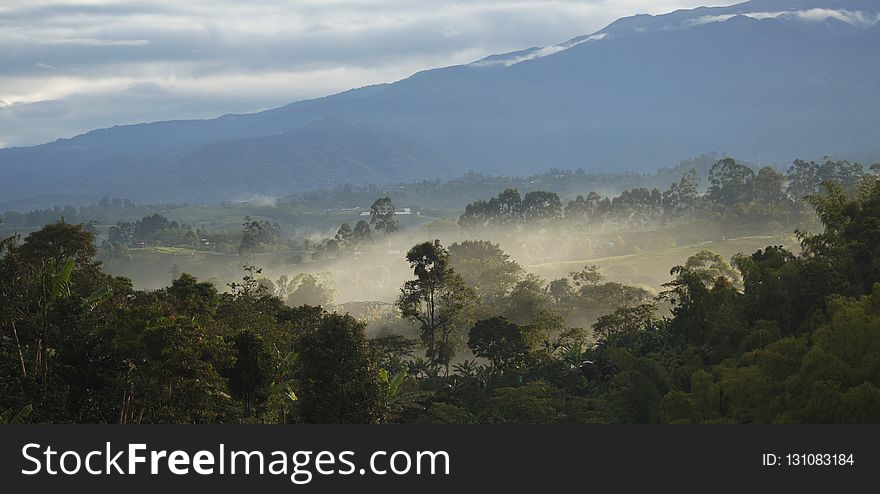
<point>650,268</point>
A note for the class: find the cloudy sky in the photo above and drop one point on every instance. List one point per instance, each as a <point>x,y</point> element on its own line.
<point>70,66</point>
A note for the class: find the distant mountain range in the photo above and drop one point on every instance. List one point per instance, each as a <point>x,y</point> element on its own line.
<point>765,80</point>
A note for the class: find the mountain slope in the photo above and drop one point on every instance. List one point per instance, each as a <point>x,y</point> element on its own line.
<point>767,80</point>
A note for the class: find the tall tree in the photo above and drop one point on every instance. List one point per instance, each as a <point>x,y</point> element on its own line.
<point>541,206</point>
<point>803,179</point>
<point>486,268</point>
<point>687,193</point>
<point>437,299</point>
<point>337,379</point>
<point>476,216</point>
<point>382,216</point>
<point>730,182</point>
<point>345,237</point>
<point>769,188</point>
<point>362,234</point>
<point>509,206</point>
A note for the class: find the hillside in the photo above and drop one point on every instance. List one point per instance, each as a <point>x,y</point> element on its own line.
<point>763,80</point>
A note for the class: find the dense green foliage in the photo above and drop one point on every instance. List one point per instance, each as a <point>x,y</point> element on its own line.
<point>772,336</point>
<point>734,191</point>
<point>81,346</point>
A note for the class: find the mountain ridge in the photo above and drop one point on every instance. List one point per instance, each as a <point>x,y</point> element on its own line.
<point>768,88</point>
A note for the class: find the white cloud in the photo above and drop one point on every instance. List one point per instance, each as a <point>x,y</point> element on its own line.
<point>859,18</point>
<point>538,53</point>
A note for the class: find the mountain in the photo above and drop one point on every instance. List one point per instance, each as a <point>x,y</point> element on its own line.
<point>765,80</point>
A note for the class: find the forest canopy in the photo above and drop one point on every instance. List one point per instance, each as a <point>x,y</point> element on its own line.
<point>775,335</point>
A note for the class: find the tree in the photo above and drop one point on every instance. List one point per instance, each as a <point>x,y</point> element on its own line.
<point>638,208</point>
<point>851,240</point>
<point>307,289</point>
<point>587,277</point>
<point>593,296</point>
<point>548,334</point>
<point>52,284</point>
<point>45,277</point>
<point>576,211</point>
<point>176,379</point>
<point>382,216</point>
<point>533,403</point>
<point>476,216</point>
<point>345,237</point>
<point>624,326</point>
<point>484,267</point>
<point>769,188</point>
<point>437,299</point>
<point>150,225</point>
<point>682,197</point>
<point>193,298</point>
<point>509,206</point>
<point>252,372</point>
<point>445,413</point>
<point>688,193</point>
<point>528,297</point>
<point>500,341</point>
<point>845,173</point>
<point>257,234</point>
<point>770,282</point>
<point>362,234</point>
<point>803,179</point>
<point>706,312</point>
<point>585,210</point>
<point>541,206</point>
<point>709,267</point>
<point>57,243</point>
<point>730,182</point>
<point>337,380</point>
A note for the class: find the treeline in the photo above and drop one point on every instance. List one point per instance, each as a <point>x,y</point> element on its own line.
<point>152,230</point>
<point>350,240</point>
<point>256,236</point>
<point>100,212</point>
<point>734,189</point>
<point>774,336</point>
<point>43,216</point>
<point>457,191</point>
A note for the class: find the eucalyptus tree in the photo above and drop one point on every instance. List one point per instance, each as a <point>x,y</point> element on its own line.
<point>345,236</point>
<point>382,216</point>
<point>541,206</point>
<point>730,182</point>
<point>770,188</point>
<point>362,234</point>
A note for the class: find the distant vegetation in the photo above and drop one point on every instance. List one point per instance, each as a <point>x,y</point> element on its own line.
<point>471,334</point>
<point>734,190</point>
